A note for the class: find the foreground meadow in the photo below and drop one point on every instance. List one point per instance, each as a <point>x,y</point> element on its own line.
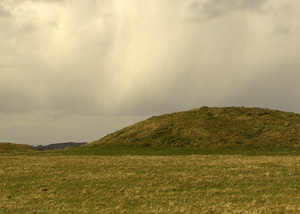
<point>150,184</point>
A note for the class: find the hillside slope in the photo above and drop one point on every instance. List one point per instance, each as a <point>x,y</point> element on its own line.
<point>211,127</point>
<point>13,148</point>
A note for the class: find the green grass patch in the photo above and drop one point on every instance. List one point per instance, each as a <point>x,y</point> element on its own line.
<point>166,151</point>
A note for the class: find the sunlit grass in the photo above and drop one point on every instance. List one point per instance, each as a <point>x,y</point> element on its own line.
<point>150,184</point>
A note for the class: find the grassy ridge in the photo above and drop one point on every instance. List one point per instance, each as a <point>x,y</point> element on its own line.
<point>14,148</point>
<point>212,128</point>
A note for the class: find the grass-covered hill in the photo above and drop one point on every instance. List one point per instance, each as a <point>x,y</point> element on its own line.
<point>211,127</point>
<point>14,148</point>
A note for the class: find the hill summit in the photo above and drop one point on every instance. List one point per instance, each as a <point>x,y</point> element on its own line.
<point>208,127</point>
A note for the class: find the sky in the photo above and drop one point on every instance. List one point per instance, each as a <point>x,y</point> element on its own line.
<point>73,70</point>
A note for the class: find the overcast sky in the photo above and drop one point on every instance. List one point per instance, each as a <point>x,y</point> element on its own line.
<point>74,70</point>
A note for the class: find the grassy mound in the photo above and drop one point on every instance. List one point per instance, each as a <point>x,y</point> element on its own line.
<point>14,148</point>
<point>211,128</point>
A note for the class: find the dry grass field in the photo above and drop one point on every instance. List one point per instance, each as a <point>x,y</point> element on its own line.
<point>149,184</point>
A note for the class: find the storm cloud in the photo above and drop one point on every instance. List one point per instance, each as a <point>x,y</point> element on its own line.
<point>215,8</point>
<point>77,70</point>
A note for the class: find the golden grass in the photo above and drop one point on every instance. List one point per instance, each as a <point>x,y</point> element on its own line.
<point>144,184</point>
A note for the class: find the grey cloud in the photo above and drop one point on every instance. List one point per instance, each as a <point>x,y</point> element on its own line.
<point>67,96</point>
<point>4,13</point>
<point>65,100</point>
<point>277,89</point>
<point>48,1</point>
<point>282,30</point>
<point>17,101</point>
<point>216,8</point>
